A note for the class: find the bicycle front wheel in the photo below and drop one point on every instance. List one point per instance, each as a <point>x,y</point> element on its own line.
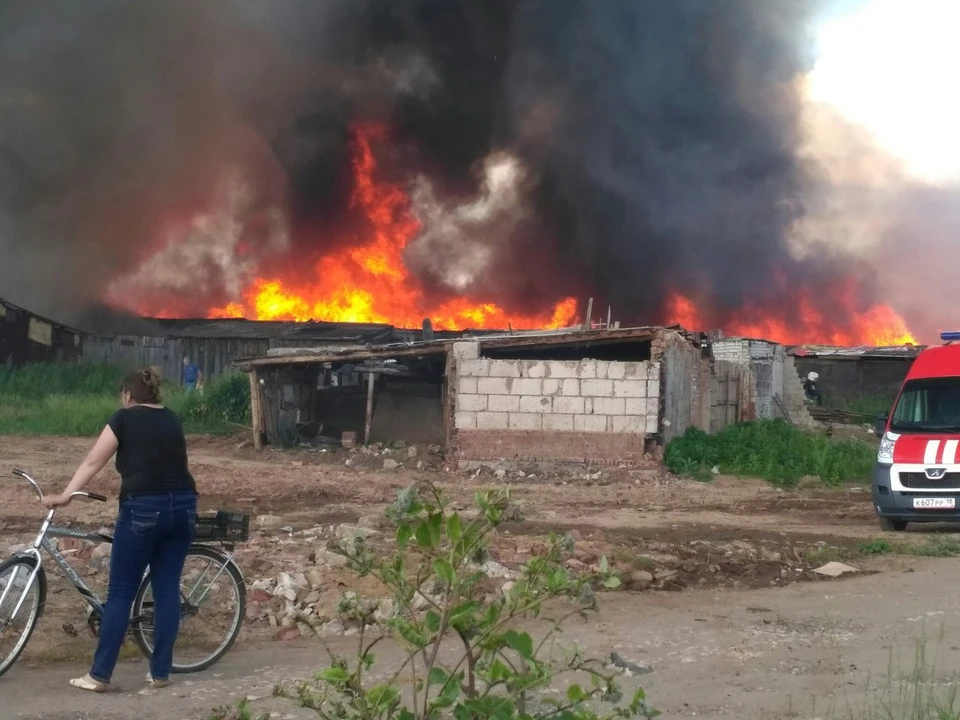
<point>15,630</point>
<point>212,603</point>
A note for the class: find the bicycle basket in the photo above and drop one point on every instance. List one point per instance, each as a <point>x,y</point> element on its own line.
<point>225,525</point>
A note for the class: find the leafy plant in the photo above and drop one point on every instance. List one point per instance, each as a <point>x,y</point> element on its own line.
<point>773,450</point>
<point>439,594</point>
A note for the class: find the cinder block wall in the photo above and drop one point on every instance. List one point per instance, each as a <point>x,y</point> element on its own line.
<point>570,411</point>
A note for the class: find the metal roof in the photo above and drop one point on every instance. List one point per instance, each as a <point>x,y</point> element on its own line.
<point>16,308</point>
<point>896,352</point>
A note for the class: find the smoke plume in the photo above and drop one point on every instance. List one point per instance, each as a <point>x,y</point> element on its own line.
<point>623,149</point>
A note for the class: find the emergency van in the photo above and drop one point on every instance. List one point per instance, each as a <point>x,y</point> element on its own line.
<point>917,474</point>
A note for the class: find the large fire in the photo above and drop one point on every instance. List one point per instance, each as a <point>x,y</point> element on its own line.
<point>878,326</point>
<point>370,283</point>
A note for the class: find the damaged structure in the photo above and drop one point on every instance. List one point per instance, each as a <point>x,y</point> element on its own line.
<point>214,345</point>
<point>26,337</point>
<point>607,396</point>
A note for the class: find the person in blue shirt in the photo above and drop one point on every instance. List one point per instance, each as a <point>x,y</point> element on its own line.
<point>191,375</point>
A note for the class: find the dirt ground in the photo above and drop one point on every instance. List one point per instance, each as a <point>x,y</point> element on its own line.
<point>730,603</point>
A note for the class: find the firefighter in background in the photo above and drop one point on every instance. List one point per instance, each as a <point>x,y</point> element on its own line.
<point>811,390</point>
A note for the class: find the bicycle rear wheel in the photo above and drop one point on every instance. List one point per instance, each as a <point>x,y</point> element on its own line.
<point>212,603</point>
<point>15,631</point>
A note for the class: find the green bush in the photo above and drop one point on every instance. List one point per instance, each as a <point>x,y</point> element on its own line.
<point>68,399</point>
<point>493,668</point>
<point>772,450</point>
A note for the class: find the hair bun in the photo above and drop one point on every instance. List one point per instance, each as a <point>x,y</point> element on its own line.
<point>151,378</point>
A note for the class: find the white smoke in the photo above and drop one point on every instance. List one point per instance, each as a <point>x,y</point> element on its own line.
<point>212,250</point>
<point>459,239</point>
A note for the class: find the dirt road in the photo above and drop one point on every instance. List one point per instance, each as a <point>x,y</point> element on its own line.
<point>801,651</point>
<point>749,631</point>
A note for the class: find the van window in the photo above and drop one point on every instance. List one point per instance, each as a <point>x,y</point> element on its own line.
<point>928,405</point>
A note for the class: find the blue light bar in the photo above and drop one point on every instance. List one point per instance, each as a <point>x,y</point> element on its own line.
<point>950,336</point>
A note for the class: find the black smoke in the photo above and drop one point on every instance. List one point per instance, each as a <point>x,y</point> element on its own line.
<point>660,138</point>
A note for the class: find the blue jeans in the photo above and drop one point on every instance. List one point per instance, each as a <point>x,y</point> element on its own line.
<point>154,530</point>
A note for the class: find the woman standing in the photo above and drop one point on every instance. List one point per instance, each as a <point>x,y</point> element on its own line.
<point>155,526</point>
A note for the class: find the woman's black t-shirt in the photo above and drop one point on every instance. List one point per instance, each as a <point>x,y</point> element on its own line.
<point>152,457</point>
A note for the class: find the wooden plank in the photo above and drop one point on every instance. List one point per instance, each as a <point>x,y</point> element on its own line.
<point>255,410</point>
<point>371,381</point>
<point>448,401</point>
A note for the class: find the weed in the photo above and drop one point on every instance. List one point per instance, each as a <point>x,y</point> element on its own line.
<point>921,693</point>
<point>772,450</point>
<point>62,399</point>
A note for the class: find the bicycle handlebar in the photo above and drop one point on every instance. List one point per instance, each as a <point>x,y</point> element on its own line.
<point>36,486</point>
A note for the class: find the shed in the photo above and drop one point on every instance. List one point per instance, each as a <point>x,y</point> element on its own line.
<point>848,374</point>
<point>586,396</point>
<point>26,337</point>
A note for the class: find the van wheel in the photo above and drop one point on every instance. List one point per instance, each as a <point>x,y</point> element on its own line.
<point>891,525</point>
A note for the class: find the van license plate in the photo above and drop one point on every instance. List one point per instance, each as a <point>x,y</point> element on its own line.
<point>929,503</point>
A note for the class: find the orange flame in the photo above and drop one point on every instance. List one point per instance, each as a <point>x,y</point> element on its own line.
<point>370,283</point>
<point>878,326</point>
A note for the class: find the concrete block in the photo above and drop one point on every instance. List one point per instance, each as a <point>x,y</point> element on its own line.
<point>505,368</point>
<point>526,386</point>
<point>526,421</point>
<point>568,405</point>
<point>590,423</point>
<point>536,404</point>
<point>630,388</point>
<point>627,424</point>
<point>609,406</point>
<point>533,369</point>
<point>467,386</point>
<point>472,403</point>
<point>653,371</point>
<point>615,371</point>
<point>466,350</point>
<point>653,388</point>
<point>570,387</point>
<point>503,403</point>
<point>653,407</point>
<point>562,369</point>
<point>603,369</point>
<point>652,425</point>
<point>597,388</point>
<point>635,406</point>
<point>551,387</point>
<point>634,371</point>
<point>494,386</point>
<point>465,420</point>
<point>492,421</point>
<point>587,370</point>
<point>474,368</point>
<point>562,423</point>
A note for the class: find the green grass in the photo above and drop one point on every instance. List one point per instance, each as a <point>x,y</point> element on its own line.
<point>772,450</point>
<point>61,399</point>
<point>866,406</point>
<point>938,547</point>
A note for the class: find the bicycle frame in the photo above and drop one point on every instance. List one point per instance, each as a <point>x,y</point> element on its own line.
<point>42,542</point>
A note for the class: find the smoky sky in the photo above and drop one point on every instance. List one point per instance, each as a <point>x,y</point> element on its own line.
<point>660,138</point>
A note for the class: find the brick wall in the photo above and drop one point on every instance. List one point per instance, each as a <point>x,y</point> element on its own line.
<point>577,411</point>
<point>594,448</point>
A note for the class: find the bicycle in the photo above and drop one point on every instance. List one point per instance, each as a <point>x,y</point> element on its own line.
<point>23,576</point>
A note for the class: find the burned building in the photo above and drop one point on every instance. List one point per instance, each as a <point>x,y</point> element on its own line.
<point>26,337</point>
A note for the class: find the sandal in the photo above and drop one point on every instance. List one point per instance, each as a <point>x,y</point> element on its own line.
<point>88,683</point>
<point>153,682</point>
